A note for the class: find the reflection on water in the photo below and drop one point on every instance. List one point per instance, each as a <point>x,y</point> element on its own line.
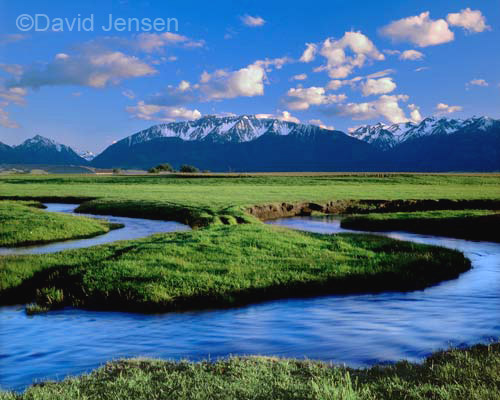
<point>358,330</point>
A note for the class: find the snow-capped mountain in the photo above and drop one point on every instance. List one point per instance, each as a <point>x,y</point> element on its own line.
<point>386,137</point>
<point>41,150</point>
<point>86,155</point>
<point>37,142</point>
<point>244,128</point>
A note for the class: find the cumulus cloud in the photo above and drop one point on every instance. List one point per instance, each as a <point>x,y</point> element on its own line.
<point>299,77</point>
<point>442,108</point>
<point>320,123</point>
<point>473,21</point>
<point>386,106</point>
<point>222,84</point>
<point>377,86</point>
<point>420,30</point>
<point>91,67</point>
<point>151,42</point>
<point>153,112</point>
<point>412,55</point>
<point>351,51</point>
<point>415,115</point>
<point>273,62</point>
<point>253,22</point>
<point>174,95</point>
<point>303,98</point>
<point>309,53</point>
<point>477,82</point>
<point>283,116</point>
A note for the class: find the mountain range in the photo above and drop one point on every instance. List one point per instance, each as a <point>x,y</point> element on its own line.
<point>248,143</point>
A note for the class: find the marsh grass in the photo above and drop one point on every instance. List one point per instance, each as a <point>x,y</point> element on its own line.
<point>24,223</point>
<point>464,224</point>
<point>458,374</point>
<point>224,266</point>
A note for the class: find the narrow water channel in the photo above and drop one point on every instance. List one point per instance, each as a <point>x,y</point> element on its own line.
<point>358,330</point>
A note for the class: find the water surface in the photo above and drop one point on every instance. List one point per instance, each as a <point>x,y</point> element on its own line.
<point>358,330</point>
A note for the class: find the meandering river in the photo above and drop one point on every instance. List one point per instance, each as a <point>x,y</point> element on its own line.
<point>358,330</point>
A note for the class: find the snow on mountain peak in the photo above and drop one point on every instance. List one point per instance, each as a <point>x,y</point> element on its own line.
<point>388,136</point>
<point>244,128</point>
<point>41,141</point>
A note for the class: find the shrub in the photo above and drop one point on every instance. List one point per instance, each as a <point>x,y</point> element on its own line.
<point>188,168</point>
<point>161,168</point>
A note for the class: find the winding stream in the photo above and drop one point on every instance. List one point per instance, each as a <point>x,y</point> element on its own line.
<point>358,330</point>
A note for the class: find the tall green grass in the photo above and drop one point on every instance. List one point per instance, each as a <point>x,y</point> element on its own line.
<point>23,223</point>
<point>224,266</point>
<point>472,374</point>
<point>465,224</point>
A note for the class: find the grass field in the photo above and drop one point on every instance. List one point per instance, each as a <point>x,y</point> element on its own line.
<point>204,200</point>
<point>472,373</point>
<point>465,224</point>
<point>222,266</point>
<point>23,223</point>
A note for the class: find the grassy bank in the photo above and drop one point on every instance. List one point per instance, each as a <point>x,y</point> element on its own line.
<point>24,223</point>
<point>223,266</point>
<point>472,373</point>
<point>465,224</point>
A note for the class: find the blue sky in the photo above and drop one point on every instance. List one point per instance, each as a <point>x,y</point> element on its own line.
<point>366,62</point>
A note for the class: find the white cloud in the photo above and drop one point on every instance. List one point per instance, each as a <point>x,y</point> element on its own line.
<point>412,55</point>
<point>13,95</point>
<point>284,116</point>
<point>386,106</point>
<point>473,21</point>
<point>299,77</point>
<point>5,120</point>
<point>128,93</point>
<point>12,69</point>
<point>420,30</point>
<point>91,67</point>
<point>443,108</point>
<point>415,115</point>
<point>420,69</point>
<point>477,82</point>
<point>309,53</point>
<point>248,20</point>
<point>391,53</point>
<point>339,63</point>
<point>151,42</point>
<point>273,62</point>
<point>319,123</point>
<point>303,98</point>
<point>222,84</point>
<point>381,74</point>
<point>153,112</point>
<point>377,86</point>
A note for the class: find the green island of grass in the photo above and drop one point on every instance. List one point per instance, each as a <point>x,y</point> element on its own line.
<point>457,374</point>
<point>464,224</point>
<point>24,223</point>
<point>222,266</point>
